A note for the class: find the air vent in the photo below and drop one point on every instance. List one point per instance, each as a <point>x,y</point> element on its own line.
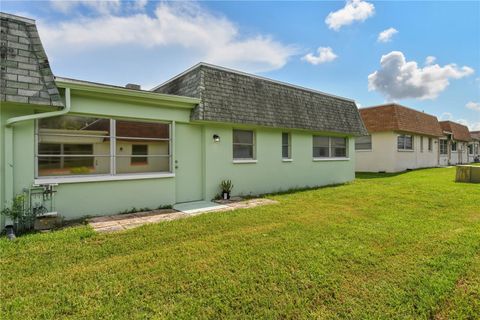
<point>133,86</point>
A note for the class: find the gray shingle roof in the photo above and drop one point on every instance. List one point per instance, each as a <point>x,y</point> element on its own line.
<point>25,74</point>
<point>235,97</point>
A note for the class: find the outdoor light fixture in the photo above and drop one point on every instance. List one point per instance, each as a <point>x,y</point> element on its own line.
<point>216,138</point>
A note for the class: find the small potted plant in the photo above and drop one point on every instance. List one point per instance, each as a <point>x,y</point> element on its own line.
<point>226,186</point>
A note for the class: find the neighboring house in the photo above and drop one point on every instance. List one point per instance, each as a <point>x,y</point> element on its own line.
<point>454,143</point>
<point>108,148</point>
<point>399,139</point>
<point>474,146</point>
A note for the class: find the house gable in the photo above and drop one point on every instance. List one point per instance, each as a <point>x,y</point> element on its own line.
<point>25,75</point>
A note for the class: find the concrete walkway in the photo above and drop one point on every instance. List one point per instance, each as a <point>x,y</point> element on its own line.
<point>183,210</point>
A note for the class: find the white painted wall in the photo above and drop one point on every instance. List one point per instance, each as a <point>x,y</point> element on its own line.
<point>461,155</point>
<point>381,157</point>
<point>385,156</point>
<point>476,151</point>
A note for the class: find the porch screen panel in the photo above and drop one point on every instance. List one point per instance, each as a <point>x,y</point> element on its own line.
<point>142,147</point>
<point>72,145</point>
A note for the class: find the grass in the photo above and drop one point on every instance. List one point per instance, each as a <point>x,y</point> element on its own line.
<point>386,246</point>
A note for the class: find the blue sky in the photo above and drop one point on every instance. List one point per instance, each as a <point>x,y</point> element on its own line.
<point>428,56</point>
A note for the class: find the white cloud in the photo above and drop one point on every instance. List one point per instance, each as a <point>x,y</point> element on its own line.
<point>446,116</point>
<point>99,6</point>
<point>386,35</point>
<point>401,79</point>
<point>324,54</point>
<point>473,105</point>
<point>207,36</point>
<point>430,60</point>
<point>354,10</point>
<point>472,126</point>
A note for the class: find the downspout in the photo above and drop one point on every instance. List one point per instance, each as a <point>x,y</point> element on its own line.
<point>43,115</point>
<point>9,140</point>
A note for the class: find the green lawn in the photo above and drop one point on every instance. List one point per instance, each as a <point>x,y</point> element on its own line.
<point>383,247</point>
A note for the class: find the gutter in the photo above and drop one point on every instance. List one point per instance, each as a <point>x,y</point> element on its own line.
<point>9,177</point>
<point>43,115</point>
<point>179,101</point>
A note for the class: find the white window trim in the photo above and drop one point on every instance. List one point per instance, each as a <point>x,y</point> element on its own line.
<point>330,159</point>
<point>413,143</point>
<point>97,178</point>
<point>289,146</point>
<point>440,148</point>
<point>330,148</point>
<point>238,161</point>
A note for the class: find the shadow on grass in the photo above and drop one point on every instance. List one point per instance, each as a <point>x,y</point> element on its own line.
<point>377,175</point>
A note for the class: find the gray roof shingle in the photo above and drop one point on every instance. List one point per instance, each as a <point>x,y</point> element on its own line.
<point>25,74</point>
<point>235,97</point>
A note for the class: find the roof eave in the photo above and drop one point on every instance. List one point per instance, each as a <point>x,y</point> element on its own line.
<point>180,101</point>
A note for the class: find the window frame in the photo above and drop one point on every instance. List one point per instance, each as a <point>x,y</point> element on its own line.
<point>405,149</point>
<point>253,144</point>
<point>443,142</point>
<point>138,156</point>
<point>364,150</point>
<point>452,145</point>
<point>288,145</point>
<point>112,174</point>
<point>331,153</point>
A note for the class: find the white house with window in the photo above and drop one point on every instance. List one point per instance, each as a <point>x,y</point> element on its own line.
<point>455,144</point>
<point>474,147</point>
<point>400,138</point>
<point>107,149</point>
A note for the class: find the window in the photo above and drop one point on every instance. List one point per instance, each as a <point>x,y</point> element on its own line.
<point>470,149</point>
<point>139,150</point>
<point>142,147</point>
<point>286,146</point>
<point>405,142</point>
<point>454,146</point>
<point>430,144</point>
<point>243,145</point>
<point>443,146</point>
<point>321,147</point>
<point>329,147</point>
<point>339,147</point>
<point>363,143</point>
<point>421,144</point>
<point>77,145</point>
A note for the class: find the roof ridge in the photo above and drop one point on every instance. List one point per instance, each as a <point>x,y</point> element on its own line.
<point>394,104</point>
<point>209,65</point>
<point>17,18</point>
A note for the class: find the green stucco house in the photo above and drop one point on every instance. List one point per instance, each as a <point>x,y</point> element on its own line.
<point>106,148</point>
